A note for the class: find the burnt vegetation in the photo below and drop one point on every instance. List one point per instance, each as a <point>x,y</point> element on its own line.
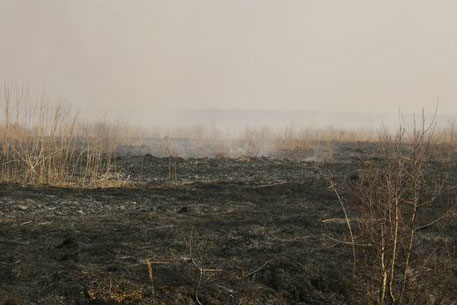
<point>100,213</point>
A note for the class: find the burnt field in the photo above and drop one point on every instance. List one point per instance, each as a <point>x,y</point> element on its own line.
<point>253,230</point>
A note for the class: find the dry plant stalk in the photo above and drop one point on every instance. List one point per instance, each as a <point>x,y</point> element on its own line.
<point>201,270</point>
<point>348,223</point>
<point>150,267</point>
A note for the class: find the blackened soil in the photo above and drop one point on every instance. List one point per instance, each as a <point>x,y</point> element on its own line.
<point>208,231</point>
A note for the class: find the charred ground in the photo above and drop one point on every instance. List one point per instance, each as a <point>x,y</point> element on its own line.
<point>209,230</point>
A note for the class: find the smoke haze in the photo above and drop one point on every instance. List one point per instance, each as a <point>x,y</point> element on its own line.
<point>137,60</point>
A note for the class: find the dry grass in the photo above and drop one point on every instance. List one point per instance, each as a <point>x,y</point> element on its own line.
<point>315,143</point>
<point>44,142</point>
<point>109,293</point>
<point>48,143</point>
<point>263,141</point>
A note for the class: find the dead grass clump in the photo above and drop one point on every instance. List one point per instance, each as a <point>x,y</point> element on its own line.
<point>46,143</point>
<point>121,293</point>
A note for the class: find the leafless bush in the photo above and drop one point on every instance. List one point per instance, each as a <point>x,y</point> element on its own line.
<point>396,199</point>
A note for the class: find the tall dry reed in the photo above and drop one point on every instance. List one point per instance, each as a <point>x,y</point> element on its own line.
<point>43,142</point>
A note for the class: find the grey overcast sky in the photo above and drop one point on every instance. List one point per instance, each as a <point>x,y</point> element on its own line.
<point>320,55</point>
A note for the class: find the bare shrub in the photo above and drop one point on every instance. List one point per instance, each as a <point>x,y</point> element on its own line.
<point>396,199</point>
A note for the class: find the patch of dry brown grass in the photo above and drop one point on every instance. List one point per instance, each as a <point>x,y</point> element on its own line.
<point>48,143</point>
<point>110,293</point>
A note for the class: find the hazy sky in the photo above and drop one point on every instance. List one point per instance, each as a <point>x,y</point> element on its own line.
<point>140,55</point>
